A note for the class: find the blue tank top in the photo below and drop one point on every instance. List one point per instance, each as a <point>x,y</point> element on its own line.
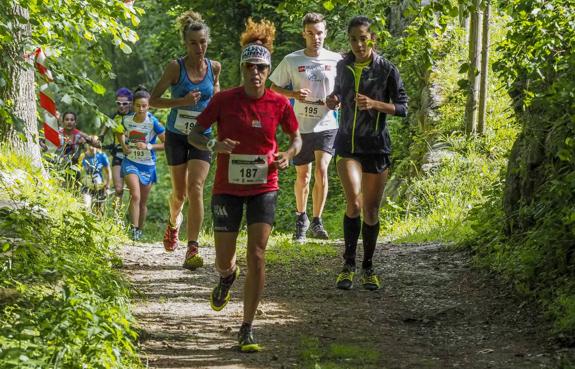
<point>181,89</point>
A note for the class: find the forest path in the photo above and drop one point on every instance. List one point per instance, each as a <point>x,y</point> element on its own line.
<point>434,311</point>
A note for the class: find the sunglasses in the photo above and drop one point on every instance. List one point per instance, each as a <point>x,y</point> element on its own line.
<point>259,67</point>
<point>122,103</point>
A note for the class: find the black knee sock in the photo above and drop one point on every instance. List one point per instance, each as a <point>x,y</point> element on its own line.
<point>351,230</point>
<point>369,235</point>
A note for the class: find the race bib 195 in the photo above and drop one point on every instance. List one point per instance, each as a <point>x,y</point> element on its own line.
<point>314,110</point>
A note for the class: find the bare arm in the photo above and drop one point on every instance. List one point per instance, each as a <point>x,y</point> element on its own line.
<point>300,94</point>
<point>170,77</point>
<point>216,68</point>
<point>107,177</point>
<point>122,140</point>
<point>283,158</point>
<point>197,139</point>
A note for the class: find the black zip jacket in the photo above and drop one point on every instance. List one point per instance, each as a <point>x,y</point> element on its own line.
<point>365,131</point>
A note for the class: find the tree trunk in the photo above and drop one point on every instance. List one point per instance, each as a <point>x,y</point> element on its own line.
<point>473,76</point>
<point>21,134</point>
<point>482,114</point>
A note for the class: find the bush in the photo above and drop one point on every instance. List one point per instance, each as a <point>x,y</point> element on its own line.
<point>64,305</point>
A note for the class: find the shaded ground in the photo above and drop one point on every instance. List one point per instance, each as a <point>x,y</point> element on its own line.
<point>433,312</point>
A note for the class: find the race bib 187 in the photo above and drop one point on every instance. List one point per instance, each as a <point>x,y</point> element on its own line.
<point>247,169</point>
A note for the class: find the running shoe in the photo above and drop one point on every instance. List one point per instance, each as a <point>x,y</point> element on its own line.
<point>317,230</point>
<point>221,293</point>
<point>369,280</point>
<point>301,227</point>
<point>171,235</point>
<point>193,259</point>
<point>345,277</point>
<point>247,341</point>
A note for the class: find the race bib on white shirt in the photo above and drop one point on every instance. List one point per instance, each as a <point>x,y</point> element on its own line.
<point>247,169</point>
<point>186,120</point>
<point>138,155</point>
<point>311,109</point>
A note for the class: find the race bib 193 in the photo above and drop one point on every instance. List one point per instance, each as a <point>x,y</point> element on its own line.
<point>186,120</point>
<point>138,155</point>
<point>247,169</point>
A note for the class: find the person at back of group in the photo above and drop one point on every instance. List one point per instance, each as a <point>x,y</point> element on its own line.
<point>70,150</point>
<point>308,76</point>
<point>124,106</point>
<point>97,177</point>
<point>72,139</point>
<point>193,80</point>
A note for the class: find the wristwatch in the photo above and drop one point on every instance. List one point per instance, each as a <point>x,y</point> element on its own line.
<point>210,144</point>
<point>149,146</point>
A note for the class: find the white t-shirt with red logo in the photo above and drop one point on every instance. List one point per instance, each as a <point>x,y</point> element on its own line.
<point>297,71</point>
<point>248,170</point>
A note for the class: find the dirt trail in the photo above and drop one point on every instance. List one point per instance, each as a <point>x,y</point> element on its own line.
<point>433,312</point>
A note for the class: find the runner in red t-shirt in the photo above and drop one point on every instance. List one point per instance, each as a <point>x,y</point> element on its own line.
<point>247,119</point>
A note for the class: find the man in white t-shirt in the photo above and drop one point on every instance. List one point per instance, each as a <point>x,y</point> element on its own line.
<point>308,76</point>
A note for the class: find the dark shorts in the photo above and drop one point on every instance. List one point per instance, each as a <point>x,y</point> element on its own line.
<point>312,142</point>
<point>370,163</point>
<point>227,210</point>
<point>179,151</point>
<point>116,161</point>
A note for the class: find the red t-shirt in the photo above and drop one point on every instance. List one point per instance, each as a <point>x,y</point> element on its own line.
<point>252,122</point>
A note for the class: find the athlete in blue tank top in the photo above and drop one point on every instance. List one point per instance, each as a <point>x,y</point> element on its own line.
<point>183,118</point>
<point>193,80</point>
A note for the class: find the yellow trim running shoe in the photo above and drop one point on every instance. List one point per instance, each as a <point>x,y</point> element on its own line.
<point>246,340</point>
<point>369,280</point>
<point>221,295</point>
<point>193,259</point>
<point>345,278</point>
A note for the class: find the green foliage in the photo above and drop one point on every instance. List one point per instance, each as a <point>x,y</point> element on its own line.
<point>65,305</point>
<point>432,205</point>
<point>73,36</point>
<point>531,242</point>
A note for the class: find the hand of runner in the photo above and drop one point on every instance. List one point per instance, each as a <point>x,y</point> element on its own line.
<point>363,102</point>
<point>302,94</point>
<point>192,97</point>
<point>226,146</point>
<point>141,146</point>
<point>332,102</point>
<point>282,160</point>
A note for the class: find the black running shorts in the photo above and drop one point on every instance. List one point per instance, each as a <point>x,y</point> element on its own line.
<point>179,151</point>
<point>370,163</point>
<point>227,210</point>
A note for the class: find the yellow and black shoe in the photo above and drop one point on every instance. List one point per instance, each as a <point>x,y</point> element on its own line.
<point>221,293</point>
<point>345,277</point>
<point>369,280</point>
<point>246,340</point>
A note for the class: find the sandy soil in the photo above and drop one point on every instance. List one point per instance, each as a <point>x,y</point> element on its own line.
<point>434,311</point>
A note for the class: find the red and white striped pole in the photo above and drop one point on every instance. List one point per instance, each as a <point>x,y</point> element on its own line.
<point>50,112</point>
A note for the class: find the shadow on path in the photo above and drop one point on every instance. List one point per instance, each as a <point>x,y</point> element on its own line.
<point>433,311</point>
